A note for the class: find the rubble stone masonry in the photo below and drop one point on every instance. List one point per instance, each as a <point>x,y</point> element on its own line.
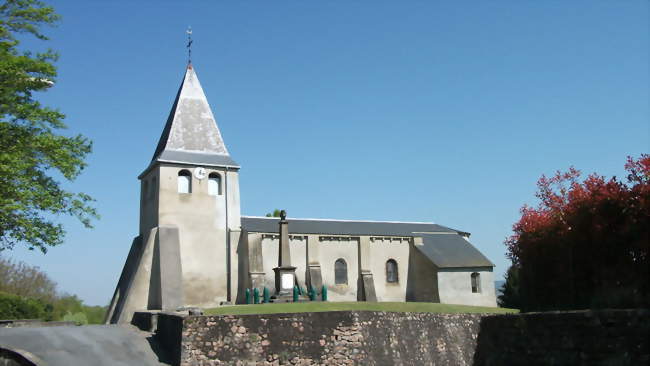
<point>606,337</point>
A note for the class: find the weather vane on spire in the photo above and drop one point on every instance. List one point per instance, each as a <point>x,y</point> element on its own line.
<point>189,44</point>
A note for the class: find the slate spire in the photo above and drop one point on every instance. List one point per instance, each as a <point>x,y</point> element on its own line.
<point>191,134</point>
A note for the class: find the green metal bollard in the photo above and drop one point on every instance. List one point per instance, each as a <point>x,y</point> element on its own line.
<point>324,293</point>
<point>265,295</point>
<point>248,296</point>
<point>256,296</point>
<point>312,294</point>
<point>295,293</point>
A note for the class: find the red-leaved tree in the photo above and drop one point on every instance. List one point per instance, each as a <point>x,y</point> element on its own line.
<point>586,243</point>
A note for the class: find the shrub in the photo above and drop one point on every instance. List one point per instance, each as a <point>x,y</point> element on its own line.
<point>78,318</point>
<point>17,307</point>
<point>586,244</point>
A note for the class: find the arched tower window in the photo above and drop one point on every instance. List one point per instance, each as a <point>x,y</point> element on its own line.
<point>214,184</point>
<point>340,272</point>
<point>476,282</point>
<point>184,181</point>
<point>391,271</point>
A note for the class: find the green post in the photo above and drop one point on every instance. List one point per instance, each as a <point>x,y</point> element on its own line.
<point>265,295</point>
<point>256,296</point>
<point>295,293</point>
<point>312,293</point>
<point>324,293</point>
<point>248,296</point>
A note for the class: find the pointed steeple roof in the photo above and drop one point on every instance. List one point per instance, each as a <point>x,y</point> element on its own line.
<point>191,134</point>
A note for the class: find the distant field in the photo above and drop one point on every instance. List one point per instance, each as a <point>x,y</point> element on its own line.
<point>305,307</point>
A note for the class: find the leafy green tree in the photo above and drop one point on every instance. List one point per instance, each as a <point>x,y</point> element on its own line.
<point>276,213</point>
<point>95,314</point>
<point>66,303</point>
<point>21,279</point>
<point>510,297</point>
<point>33,151</point>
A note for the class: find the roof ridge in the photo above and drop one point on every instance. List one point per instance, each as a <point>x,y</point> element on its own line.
<point>341,220</point>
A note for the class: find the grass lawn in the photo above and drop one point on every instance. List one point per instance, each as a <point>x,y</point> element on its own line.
<point>304,307</point>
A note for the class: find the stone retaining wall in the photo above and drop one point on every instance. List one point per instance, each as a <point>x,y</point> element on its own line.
<point>328,338</point>
<point>608,337</point>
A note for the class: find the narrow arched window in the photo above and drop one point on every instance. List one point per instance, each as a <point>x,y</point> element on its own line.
<point>391,271</point>
<point>184,182</point>
<point>340,272</point>
<point>214,184</point>
<point>476,282</point>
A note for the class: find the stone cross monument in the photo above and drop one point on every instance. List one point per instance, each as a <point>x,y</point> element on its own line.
<point>284,272</point>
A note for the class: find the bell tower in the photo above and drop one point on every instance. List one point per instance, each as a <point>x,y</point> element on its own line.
<point>185,254</point>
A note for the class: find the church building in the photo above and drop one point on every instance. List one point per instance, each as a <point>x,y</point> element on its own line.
<point>195,249</point>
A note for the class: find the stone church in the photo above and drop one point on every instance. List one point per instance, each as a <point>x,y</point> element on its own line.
<point>195,249</point>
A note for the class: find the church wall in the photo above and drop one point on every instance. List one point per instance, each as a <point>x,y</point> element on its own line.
<point>331,249</point>
<point>298,249</point>
<point>235,270</point>
<point>270,245</point>
<point>149,201</point>
<point>234,214</point>
<point>255,276</point>
<point>201,221</point>
<point>455,286</point>
<point>381,250</point>
<point>422,285</point>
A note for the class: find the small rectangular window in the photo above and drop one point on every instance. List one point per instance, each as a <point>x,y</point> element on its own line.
<point>476,282</point>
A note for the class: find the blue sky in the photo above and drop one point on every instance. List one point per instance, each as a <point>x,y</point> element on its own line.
<point>409,111</point>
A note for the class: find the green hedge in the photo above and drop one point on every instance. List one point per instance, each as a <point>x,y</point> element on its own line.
<point>16,307</point>
<point>67,308</point>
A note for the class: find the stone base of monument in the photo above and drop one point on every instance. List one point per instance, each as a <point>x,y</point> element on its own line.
<point>285,277</point>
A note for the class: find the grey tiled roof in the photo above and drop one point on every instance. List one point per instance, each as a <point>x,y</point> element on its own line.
<point>340,227</point>
<point>449,251</point>
<point>445,247</point>
<point>191,134</point>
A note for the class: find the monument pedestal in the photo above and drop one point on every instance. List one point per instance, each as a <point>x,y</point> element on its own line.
<point>284,281</point>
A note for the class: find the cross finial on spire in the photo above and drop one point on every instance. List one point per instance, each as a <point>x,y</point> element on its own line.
<point>189,45</point>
